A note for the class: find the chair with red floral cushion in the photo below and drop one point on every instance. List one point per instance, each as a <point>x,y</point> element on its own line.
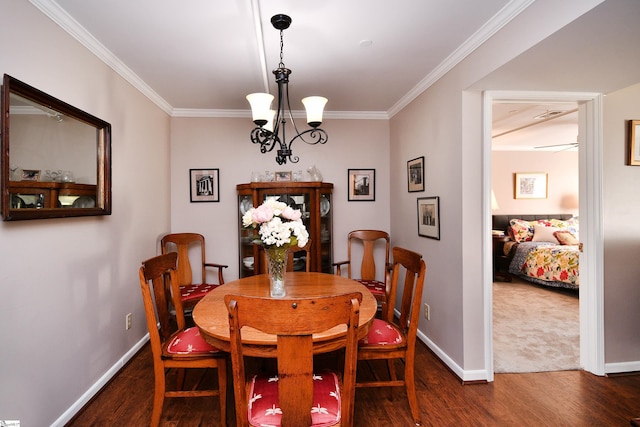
<point>390,339</point>
<point>181,243</point>
<point>295,395</point>
<point>182,349</point>
<point>367,242</point>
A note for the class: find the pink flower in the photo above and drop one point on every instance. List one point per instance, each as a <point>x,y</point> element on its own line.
<point>262,213</point>
<point>291,214</point>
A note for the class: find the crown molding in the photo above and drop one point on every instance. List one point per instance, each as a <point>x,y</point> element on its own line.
<point>77,31</point>
<point>58,15</point>
<point>243,114</point>
<point>498,21</point>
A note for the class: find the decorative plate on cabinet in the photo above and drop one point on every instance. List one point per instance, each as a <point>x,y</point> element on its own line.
<point>324,206</point>
<point>245,205</point>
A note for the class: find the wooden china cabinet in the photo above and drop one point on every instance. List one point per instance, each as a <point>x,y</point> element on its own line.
<point>314,201</point>
<point>43,194</point>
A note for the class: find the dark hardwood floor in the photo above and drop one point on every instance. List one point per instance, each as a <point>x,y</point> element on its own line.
<point>569,398</point>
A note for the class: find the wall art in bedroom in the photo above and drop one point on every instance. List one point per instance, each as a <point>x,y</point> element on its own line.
<point>633,156</point>
<point>530,185</point>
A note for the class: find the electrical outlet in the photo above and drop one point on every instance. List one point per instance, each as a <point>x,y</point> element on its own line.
<point>128,320</point>
<point>427,311</point>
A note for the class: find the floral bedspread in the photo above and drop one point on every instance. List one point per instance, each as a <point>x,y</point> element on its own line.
<point>547,263</point>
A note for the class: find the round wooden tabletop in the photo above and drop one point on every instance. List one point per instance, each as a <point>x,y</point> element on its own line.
<point>212,318</point>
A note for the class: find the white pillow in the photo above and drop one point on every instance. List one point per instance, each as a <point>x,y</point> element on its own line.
<point>542,233</point>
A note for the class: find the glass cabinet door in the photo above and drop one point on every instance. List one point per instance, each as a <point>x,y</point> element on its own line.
<point>247,256</point>
<point>326,227</point>
<point>313,199</point>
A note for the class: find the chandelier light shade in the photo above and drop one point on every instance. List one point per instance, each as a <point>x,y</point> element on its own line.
<point>260,107</point>
<point>314,105</point>
<point>270,131</point>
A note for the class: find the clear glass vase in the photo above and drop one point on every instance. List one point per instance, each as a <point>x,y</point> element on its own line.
<point>277,269</point>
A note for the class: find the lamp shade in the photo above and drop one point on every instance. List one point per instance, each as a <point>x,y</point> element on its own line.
<point>314,105</point>
<point>570,202</point>
<point>260,107</point>
<point>494,201</point>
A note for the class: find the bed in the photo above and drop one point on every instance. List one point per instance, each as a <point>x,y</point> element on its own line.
<point>542,249</point>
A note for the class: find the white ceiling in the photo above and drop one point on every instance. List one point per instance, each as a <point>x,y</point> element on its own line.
<point>201,57</point>
<point>521,126</point>
<point>206,54</point>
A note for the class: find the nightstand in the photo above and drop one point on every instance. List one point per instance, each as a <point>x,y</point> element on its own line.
<point>498,255</point>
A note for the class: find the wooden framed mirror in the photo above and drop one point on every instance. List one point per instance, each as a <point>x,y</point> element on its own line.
<point>56,158</point>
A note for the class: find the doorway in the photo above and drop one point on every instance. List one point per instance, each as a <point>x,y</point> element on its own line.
<point>535,140</point>
<point>591,258</point>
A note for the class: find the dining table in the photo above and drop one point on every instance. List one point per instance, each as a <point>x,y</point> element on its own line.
<point>210,314</point>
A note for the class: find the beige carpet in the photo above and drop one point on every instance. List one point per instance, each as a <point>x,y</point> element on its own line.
<point>535,329</point>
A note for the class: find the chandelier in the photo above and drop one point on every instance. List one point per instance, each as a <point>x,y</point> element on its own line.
<point>270,130</point>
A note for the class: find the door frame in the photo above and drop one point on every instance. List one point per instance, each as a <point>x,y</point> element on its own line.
<point>591,290</point>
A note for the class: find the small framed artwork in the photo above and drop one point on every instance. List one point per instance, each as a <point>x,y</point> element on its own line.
<point>283,176</point>
<point>429,217</point>
<point>415,174</point>
<point>362,185</point>
<point>205,185</point>
<point>532,185</point>
<point>633,157</point>
<point>30,175</point>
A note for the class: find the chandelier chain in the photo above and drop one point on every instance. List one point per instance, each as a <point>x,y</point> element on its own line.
<point>281,65</point>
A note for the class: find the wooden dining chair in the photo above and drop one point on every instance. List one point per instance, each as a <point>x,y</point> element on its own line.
<point>181,243</point>
<point>378,284</point>
<point>291,257</point>
<point>182,349</point>
<point>389,339</point>
<point>296,395</point>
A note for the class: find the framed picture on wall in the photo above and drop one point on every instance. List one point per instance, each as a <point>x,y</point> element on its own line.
<point>415,174</point>
<point>429,217</point>
<point>530,185</point>
<point>205,185</point>
<point>633,157</point>
<point>362,185</point>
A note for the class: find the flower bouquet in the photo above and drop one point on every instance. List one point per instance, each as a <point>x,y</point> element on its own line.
<point>279,228</point>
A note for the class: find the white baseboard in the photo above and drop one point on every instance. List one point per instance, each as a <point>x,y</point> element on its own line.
<point>481,374</point>
<point>621,367</point>
<point>476,375</point>
<point>97,386</point>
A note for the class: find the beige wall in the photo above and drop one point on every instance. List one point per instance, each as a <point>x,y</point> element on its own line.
<point>562,178</point>
<point>67,284</point>
<point>621,230</point>
<point>224,143</point>
<point>445,123</point>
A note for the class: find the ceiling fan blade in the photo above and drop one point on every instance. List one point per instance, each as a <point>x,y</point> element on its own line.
<point>570,144</point>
